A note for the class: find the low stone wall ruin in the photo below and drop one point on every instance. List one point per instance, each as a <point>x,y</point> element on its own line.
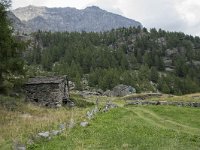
<point>181,104</point>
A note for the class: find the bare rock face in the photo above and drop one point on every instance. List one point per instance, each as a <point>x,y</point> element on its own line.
<point>71,19</point>
<point>123,90</point>
<point>17,24</point>
<point>120,91</point>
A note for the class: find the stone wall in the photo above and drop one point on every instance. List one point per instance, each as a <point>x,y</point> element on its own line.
<point>181,104</point>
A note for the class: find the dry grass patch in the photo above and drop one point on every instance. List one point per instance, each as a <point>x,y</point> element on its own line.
<point>27,120</point>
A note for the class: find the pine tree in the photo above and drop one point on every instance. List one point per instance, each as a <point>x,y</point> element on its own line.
<point>10,50</point>
<point>154,74</point>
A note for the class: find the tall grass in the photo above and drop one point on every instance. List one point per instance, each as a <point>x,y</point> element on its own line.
<point>20,121</point>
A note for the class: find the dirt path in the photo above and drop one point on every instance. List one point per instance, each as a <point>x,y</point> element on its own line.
<point>156,120</point>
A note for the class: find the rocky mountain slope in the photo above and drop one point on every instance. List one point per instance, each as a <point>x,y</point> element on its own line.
<point>16,23</point>
<point>71,19</point>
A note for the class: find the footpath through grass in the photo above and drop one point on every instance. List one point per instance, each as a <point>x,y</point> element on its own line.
<point>145,127</point>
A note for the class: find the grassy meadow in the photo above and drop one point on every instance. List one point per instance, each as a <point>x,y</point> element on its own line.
<point>131,127</point>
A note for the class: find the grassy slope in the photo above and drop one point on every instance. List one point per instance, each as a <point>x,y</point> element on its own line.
<point>19,121</point>
<point>145,127</point>
<point>149,127</point>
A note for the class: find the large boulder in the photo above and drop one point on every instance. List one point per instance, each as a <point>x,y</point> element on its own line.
<point>123,90</point>
<point>108,93</point>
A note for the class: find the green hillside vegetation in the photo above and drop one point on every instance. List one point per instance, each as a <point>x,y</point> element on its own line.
<point>11,61</point>
<point>133,56</point>
<point>132,127</point>
<point>148,127</point>
<point>147,60</point>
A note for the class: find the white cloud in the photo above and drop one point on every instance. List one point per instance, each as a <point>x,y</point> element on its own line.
<point>173,15</point>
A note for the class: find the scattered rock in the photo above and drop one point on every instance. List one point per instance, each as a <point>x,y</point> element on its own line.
<point>30,142</point>
<point>109,106</point>
<point>108,93</point>
<point>44,134</point>
<point>142,96</point>
<point>180,104</point>
<point>19,147</point>
<point>68,102</point>
<point>171,52</point>
<point>71,85</point>
<point>58,105</point>
<point>71,124</point>
<point>90,114</point>
<point>84,124</point>
<point>100,91</point>
<point>120,91</point>
<point>56,132</point>
<point>123,90</point>
<point>62,126</point>
<point>89,93</point>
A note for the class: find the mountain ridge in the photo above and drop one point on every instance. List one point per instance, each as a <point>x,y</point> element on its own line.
<point>58,19</point>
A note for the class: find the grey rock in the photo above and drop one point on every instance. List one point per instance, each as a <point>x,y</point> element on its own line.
<point>71,85</point>
<point>58,105</point>
<point>169,69</point>
<point>161,41</point>
<point>108,93</point>
<point>89,93</point>
<point>30,142</point>
<point>179,104</point>
<point>56,132</point>
<point>70,104</point>
<point>84,124</point>
<point>90,114</point>
<point>171,52</point>
<point>123,90</point>
<point>100,91</point>
<point>17,24</point>
<point>20,147</point>
<point>44,134</point>
<point>71,19</point>
<point>62,126</point>
<point>71,124</point>
<point>167,61</point>
<point>109,106</point>
<point>163,103</point>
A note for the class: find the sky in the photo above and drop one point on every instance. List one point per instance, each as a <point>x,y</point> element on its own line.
<point>171,15</point>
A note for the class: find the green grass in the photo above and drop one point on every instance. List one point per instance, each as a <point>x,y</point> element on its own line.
<point>145,127</point>
<point>80,101</point>
<point>132,127</point>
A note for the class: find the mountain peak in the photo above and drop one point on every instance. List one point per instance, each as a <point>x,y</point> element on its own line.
<point>93,8</point>
<point>69,19</point>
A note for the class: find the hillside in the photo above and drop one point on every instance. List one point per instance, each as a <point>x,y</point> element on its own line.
<point>73,112</point>
<point>147,60</point>
<point>70,19</point>
<point>141,127</point>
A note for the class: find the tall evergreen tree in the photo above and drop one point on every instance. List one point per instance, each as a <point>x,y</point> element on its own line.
<point>10,50</point>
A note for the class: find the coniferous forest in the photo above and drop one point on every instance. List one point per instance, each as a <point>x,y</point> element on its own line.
<point>153,60</point>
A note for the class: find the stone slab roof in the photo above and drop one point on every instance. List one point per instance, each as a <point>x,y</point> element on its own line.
<point>46,80</point>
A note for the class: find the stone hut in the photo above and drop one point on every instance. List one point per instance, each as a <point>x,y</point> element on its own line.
<point>47,91</point>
